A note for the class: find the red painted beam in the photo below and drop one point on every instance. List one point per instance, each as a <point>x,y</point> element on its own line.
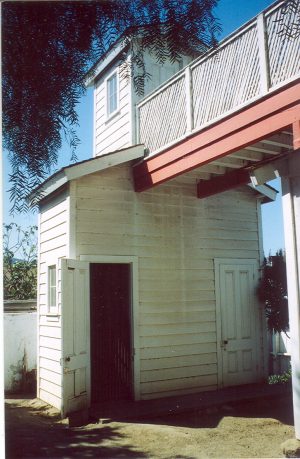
<point>222,183</point>
<point>251,124</point>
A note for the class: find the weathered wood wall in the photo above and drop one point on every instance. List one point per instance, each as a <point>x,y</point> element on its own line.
<point>176,238</point>
<point>53,245</point>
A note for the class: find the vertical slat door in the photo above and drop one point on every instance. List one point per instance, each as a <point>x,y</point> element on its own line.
<point>111,350</point>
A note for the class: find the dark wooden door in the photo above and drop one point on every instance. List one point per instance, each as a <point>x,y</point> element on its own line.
<point>111,355</point>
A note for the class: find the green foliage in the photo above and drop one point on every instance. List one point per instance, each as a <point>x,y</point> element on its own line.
<point>272,292</point>
<point>47,47</point>
<point>19,262</point>
<point>281,379</point>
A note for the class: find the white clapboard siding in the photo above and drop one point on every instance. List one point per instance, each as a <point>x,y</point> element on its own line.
<point>112,133</point>
<point>50,343</point>
<point>53,244</point>
<point>50,331</point>
<point>184,316</point>
<point>178,372</point>
<point>173,307</point>
<point>159,330</point>
<point>51,388</point>
<point>50,354</point>
<point>50,398</point>
<point>116,134</point>
<point>178,361</point>
<point>51,376</point>
<point>150,354</point>
<point>175,340</point>
<point>54,254</point>
<point>179,392</point>
<point>176,238</point>
<point>53,218</point>
<point>51,365</point>
<point>160,388</point>
<point>54,232</point>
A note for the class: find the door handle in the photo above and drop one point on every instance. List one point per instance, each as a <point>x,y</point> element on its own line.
<point>224,343</point>
<point>67,359</point>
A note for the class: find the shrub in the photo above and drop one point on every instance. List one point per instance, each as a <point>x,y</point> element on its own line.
<point>19,262</point>
<point>272,291</point>
<point>281,379</point>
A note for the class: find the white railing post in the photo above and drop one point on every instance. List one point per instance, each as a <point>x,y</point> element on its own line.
<point>189,99</point>
<point>263,54</point>
<point>137,124</point>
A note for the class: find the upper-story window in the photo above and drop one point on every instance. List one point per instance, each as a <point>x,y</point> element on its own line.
<point>112,94</point>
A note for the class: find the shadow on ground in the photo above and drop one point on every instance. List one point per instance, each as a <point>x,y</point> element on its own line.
<point>280,409</point>
<point>238,429</point>
<point>37,432</point>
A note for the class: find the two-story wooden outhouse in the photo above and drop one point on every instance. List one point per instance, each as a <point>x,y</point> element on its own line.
<point>144,294</point>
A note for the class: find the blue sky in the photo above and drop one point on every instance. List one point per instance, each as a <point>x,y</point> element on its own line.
<point>232,14</point>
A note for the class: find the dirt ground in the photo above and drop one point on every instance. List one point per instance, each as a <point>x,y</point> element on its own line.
<point>249,429</point>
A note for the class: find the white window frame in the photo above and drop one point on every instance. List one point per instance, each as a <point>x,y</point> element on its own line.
<point>52,309</point>
<point>109,114</point>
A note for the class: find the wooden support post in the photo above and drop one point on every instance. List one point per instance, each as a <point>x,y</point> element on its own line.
<point>296,134</point>
<point>291,219</point>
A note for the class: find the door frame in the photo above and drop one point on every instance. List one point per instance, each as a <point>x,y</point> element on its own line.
<point>133,262</point>
<point>230,261</point>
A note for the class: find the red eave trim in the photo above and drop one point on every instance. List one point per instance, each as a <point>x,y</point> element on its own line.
<point>253,123</point>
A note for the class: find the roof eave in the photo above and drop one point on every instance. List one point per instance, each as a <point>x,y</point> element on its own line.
<point>111,54</point>
<point>90,166</point>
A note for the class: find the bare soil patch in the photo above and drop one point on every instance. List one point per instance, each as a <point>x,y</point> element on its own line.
<point>236,430</point>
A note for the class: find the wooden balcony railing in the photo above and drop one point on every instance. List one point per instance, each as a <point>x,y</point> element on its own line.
<point>254,61</point>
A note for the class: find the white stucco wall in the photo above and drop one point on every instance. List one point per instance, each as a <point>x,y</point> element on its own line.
<point>20,348</point>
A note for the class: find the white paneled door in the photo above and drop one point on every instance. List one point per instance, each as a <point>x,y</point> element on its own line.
<point>238,319</point>
<point>75,335</point>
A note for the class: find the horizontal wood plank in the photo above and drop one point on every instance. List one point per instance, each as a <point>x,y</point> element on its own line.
<point>50,387</point>
<point>177,384</point>
<point>176,340</point>
<point>178,361</point>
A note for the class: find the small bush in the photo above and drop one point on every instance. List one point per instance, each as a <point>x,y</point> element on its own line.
<point>281,379</point>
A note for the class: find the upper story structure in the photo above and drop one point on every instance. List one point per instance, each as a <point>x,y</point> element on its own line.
<point>187,96</point>
<point>116,98</point>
